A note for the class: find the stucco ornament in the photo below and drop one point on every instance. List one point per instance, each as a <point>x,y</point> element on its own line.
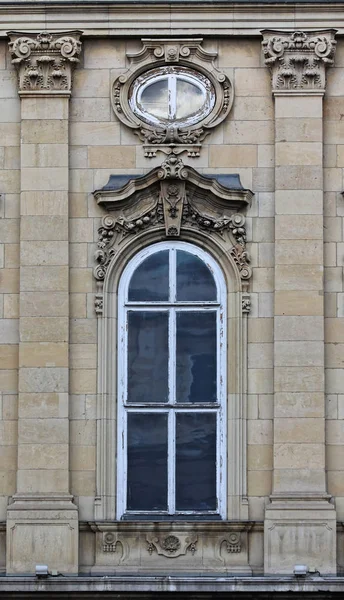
<point>160,60</point>
<point>172,546</point>
<point>45,61</point>
<point>298,60</point>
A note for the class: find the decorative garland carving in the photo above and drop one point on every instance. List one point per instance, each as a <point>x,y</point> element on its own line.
<point>161,53</point>
<point>45,61</point>
<point>171,546</point>
<point>298,60</point>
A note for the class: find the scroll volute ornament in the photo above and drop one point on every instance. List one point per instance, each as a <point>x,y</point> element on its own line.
<point>298,60</point>
<point>45,61</point>
<point>172,138</point>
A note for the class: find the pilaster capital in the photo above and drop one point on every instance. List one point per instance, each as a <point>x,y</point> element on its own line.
<point>45,61</point>
<point>298,60</point>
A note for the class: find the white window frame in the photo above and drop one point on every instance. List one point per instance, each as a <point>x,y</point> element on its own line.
<point>220,408</point>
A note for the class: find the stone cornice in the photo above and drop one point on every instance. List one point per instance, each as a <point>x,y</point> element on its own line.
<point>45,61</point>
<point>298,60</point>
<point>207,18</point>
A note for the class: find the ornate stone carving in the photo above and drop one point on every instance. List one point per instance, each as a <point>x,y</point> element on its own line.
<point>175,198</point>
<point>160,53</point>
<point>45,61</point>
<point>233,542</point>
<point>298,60</point>
<point>171,546</point>
<point>197,546</point>
<point>109,542</point>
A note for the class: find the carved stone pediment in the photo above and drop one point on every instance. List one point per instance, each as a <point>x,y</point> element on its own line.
<point>157,57</point>
<point>298,60</point>
<point>45,61</point>
<point>174,198</point>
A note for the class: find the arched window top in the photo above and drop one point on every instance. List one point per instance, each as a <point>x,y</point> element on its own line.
<point>172,273</point>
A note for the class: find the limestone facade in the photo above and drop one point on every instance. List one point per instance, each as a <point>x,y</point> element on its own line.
<point>67,231</point>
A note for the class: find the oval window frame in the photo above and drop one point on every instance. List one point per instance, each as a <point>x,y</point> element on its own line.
<point>142,82</point>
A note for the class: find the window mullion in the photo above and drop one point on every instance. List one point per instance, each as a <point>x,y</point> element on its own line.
<point>172,401</point>
<point>172,96</point>
<point>171,462</point>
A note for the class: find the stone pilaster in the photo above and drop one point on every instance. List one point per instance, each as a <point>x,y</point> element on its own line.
<point>42,507</point>
<point>300,521</point>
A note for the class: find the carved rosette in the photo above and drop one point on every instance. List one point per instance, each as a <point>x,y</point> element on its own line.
<point>164,53</point>
<point>45,61</point>
<point>298,60</point>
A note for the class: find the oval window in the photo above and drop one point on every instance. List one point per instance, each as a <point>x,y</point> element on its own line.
<point>172,95</point>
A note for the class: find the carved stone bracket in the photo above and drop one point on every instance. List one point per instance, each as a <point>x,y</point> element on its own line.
<point>45,61</point>
<point>171,546</point>
<point>168,53</point>
<point>298,60</point>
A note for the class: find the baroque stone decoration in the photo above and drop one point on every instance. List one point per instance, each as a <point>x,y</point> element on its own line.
<point>298,60</point>
<point>45,61</point>
<point>171,546</point>
<point>175,198</point>
<point>160,53</point>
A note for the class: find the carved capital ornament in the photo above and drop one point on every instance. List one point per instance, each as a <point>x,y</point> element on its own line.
<point>45,61</point>
<point>298,60</point>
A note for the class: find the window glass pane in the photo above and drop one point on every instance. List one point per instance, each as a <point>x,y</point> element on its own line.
<point>190,98</point>
<point>147,461</point>
<point>196,461</point>
<point>150,280</point>
<point>154,99</point>
<point>196,357</point>
<point>147,356</point>
<point>195,281</point>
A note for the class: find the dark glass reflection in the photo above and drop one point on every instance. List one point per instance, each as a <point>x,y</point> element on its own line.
<point>147,461</point>
<point>196,461</point>
<point>196,357</point>
<point>150,280</point>
<point>195,281</point>
<point>147,356</point>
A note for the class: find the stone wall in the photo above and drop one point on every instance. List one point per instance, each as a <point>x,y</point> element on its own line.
<point>55,152</point>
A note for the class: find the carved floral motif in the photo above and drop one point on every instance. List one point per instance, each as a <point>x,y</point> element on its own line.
<point>171,546</point>
<point>298,60</point>
<point>45,61</point>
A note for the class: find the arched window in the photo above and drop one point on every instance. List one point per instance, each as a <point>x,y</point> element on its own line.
<point>171,390</point>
